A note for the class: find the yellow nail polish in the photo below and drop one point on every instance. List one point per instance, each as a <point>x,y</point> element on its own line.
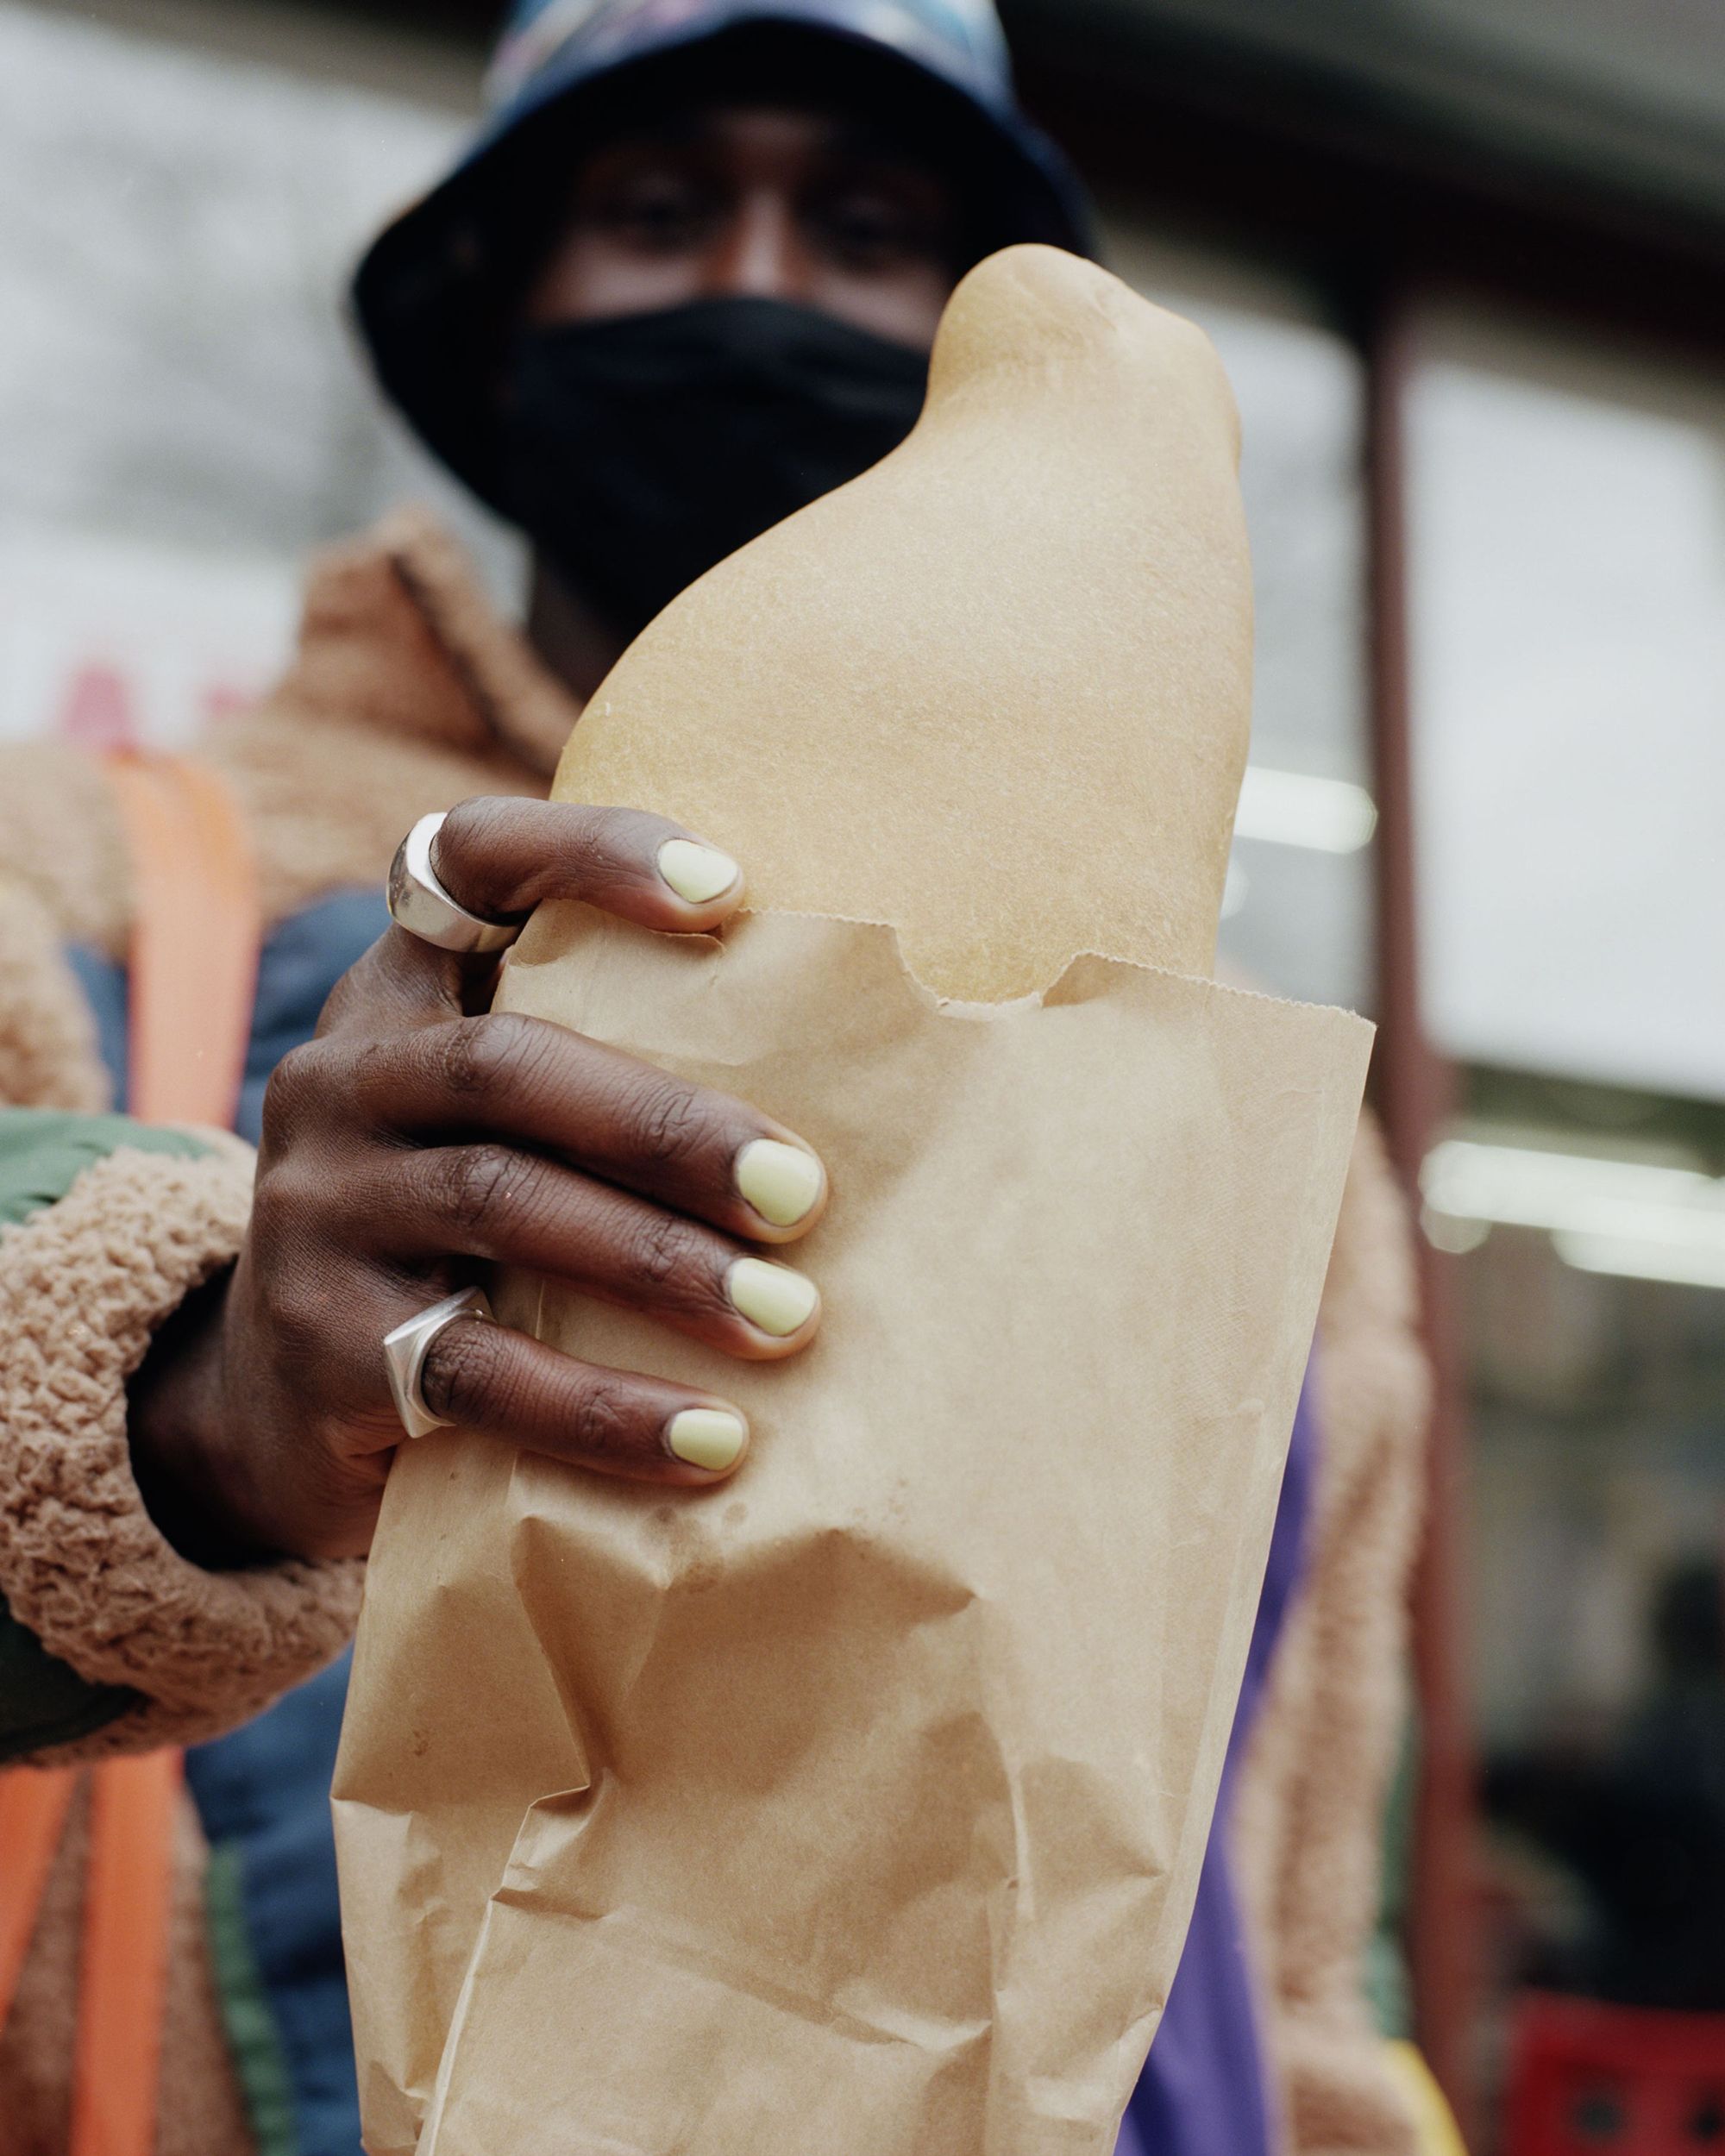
<point>772,1297</point>
<point>708,1437</point>
<point>783,1183</point>
<point>697,873</point>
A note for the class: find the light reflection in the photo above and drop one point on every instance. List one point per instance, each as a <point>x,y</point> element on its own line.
<point>1294,808</point>
<point>1641,1220</point>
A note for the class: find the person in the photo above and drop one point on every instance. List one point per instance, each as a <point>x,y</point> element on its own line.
<point>1640,1823</point>
<point>685,281</point>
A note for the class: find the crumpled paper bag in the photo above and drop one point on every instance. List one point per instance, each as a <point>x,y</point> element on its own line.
<point>857,1805</point>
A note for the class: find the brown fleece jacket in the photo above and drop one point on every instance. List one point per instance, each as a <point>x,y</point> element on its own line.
<point>406,694</point>
<point>1308,1824</point>
<point>385,713</point>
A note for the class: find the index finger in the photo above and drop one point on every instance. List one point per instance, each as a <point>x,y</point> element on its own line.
<point>501,857</point>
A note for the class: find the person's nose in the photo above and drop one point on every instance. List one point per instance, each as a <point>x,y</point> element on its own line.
<point>760,254</point>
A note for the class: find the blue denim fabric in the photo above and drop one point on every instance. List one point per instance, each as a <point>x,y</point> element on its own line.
<point>103,984</point>
<point>265,1790</point>
<point>298,966</point>
<point>300,962</point>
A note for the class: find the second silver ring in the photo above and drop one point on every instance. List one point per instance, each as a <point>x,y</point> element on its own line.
<point>405,1348</point>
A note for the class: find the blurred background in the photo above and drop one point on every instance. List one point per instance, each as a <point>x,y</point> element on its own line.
<point>1465,262</point>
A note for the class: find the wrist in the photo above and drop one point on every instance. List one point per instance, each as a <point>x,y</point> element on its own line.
<point>187,1467</point>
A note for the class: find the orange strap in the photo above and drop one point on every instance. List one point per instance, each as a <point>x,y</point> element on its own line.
<point>195,936</point>
<point>193,974</point>
<point>122,1987</point>
<point>32,1809</point>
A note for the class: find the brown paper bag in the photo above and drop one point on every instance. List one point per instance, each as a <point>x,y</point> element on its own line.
<point>858,1805</point>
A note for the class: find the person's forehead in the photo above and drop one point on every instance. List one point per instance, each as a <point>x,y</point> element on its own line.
<point>807,127</point>
<point>790,121</point>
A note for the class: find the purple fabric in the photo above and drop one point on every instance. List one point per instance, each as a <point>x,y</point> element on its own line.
<point>1129,2144</point>
<point>1203,2091</point>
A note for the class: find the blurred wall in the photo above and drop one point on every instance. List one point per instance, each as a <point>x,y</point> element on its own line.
<point>184,411</point>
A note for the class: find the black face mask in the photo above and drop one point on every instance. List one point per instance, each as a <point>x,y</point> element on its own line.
<point>638,451</point>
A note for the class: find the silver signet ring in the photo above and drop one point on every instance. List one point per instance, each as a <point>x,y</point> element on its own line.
<point>418,903</point>
<point>405,1349</point>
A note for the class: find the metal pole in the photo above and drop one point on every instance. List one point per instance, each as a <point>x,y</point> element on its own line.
<point>1415,1093</point>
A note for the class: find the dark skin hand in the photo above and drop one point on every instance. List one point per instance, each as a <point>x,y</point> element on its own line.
<point>417,1140</point>
<point>414,1142</point>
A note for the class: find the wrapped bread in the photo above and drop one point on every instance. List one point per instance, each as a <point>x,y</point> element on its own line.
<point>996,693</point>
<point>858,1805</point>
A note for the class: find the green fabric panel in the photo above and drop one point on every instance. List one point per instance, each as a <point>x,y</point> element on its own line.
<point>1387,1986</point>
<point>43,1151</point>
<point>43,1700</point>
<point>253,2037</point>
<point>1385,1978</point>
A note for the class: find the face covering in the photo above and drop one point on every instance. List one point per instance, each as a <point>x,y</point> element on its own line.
<point>637,452</point>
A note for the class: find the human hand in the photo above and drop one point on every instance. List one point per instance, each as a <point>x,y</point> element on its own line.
<point>418,1139</point>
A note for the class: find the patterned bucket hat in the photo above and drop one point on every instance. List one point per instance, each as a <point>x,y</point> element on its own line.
<point>432,294</point>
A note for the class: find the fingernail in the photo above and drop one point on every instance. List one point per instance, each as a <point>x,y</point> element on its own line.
<point>772,1297</point>
<point>697,873</point>
<point>708,1437</point>
<point>783,1183</point>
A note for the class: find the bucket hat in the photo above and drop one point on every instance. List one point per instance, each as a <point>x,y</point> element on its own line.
<point>435,293</point>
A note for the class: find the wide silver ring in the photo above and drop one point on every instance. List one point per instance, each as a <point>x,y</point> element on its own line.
<point>404,1351</point>
<point>418,903</point>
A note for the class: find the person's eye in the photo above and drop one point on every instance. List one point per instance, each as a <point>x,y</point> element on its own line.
<point>658,210</point>
<point>872,228</point>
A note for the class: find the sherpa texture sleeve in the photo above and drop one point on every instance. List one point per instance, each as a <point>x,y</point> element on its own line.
<point>1310,1814</point>
<point>110,1640</point>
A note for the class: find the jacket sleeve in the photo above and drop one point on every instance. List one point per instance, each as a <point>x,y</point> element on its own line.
<point>110,1640</point>
<point>1309,1817</point>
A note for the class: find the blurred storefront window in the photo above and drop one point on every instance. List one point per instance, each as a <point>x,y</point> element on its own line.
<point>1567,585</point>
<point>1568,550</point>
